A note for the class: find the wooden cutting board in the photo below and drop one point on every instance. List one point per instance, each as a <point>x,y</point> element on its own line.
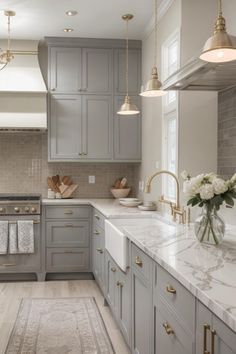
<point>69,191</point>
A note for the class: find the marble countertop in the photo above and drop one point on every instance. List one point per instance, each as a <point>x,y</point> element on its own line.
<point>208,272</point>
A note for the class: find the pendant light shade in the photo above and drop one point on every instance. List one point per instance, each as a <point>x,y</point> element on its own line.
<point>221,47</point>
<point>153,87</point>
<point>128,107</point>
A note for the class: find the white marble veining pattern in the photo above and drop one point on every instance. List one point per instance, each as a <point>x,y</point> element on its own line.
<point>208,272</point>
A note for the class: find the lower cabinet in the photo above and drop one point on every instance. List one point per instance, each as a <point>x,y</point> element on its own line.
<point>212,335</point>
<point>98,256</point>
<point>141,268</point>
<point>67,239</point>
<point>118,295</point>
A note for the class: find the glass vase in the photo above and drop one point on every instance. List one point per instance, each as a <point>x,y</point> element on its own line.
<point>209,227</point>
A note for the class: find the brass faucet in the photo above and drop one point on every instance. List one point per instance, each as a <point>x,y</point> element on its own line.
<point>176,209</point>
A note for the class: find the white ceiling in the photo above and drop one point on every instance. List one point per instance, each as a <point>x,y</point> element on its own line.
<point>96,18</point>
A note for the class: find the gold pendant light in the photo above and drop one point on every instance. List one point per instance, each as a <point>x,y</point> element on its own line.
<point>127,108</point>
<point>153,87</point>
<point>221,47</point>
<point>7,56</point>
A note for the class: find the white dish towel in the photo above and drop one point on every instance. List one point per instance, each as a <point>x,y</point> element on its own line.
<point>25,236</point>
<point>3,237</point>
<point>13,238</point>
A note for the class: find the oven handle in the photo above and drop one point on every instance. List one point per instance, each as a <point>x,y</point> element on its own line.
<point>34,222</point>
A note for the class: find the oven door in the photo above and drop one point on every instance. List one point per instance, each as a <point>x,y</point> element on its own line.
<point>23,263</point>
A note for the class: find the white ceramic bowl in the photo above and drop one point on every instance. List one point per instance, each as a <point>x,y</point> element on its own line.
<point>120,193</point>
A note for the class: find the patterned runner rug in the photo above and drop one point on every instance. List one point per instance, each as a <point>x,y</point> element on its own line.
<point>59,326</point>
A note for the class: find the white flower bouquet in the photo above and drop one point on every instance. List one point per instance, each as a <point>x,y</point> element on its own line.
<point>209,192</point>
<point>209,189</point>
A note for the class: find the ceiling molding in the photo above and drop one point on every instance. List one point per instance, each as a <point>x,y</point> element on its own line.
<point>162,9</point>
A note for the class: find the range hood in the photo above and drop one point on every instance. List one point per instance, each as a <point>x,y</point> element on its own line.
<point>23,95</point>
<point>198,75</point>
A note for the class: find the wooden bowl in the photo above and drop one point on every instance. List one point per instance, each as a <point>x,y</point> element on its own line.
<point>120,193</point>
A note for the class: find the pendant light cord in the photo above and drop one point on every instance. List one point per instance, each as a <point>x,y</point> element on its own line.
<point>220,13</point>
<point>155,34</point>
<point>127,58</point>
<point>9,32</point>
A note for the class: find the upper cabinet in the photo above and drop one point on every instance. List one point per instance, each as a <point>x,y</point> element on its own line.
<point>81,70</point>
<point>86,82</point>
<point>65,70</point>
<point>134,72</point>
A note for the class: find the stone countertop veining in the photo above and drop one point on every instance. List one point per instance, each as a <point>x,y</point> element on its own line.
<point>208,272</point>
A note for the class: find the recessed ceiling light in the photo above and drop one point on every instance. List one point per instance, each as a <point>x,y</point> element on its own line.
<point>68,30</point>
<point>71,13</point>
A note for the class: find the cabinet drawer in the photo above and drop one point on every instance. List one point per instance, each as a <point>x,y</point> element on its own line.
<point>141,262</point>
<point>179,341</point>
<point>67,212</point>
<point>67,260</point>
<point>177,296</point>
<point>98,219</point>
<point>67,233</point>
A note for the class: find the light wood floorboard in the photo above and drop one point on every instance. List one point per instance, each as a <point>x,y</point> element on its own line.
<point>12,293</point>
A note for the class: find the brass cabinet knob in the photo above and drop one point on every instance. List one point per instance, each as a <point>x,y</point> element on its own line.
<point>96,232</point>
<point>118,283</point>
<point>170,289</point>
<point>100,250</point>
<point>113,269</point>
<point>168,328</point>
<point>97,217</point>
<point>139,261</point>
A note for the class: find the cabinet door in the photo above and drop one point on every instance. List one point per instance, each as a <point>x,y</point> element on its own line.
<point>65,70</point>
<point>65,127</point>
<point>224,338</point>
<point>95,255</point>
<point>111,283</point>
<point>124,304</point>
<point>134,71</point>
<point>203,329</point>
<point>67,260</point>
<point>97,70</point>
<point>127,133</point>
<point>97,127</point>
<point>141,314</point>
<point>67,233</point>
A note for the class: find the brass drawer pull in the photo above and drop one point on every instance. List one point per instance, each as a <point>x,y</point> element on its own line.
<point>69,225</point>
<point>170,289</point>
<point>206,327</point>
<point>213,334</point>
<point>68,251</point>
<point>96,232</point>
<point>139,261</point>
<point>100,250</point>
<point>97,217</point>
<point>168,328</point>
<point>113,269</point>
<point>8,265</point>
<point>68,212</point>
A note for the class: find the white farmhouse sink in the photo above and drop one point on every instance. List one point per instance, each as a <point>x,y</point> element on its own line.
<point>116,244</point>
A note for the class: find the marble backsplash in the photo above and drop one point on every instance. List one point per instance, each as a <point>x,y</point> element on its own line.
<point>24,168</point>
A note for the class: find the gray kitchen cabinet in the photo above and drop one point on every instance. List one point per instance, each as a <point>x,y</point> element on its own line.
<point>65,127</point>
<point>76,138</point>
<point>67,238</point>
<point>66,69</point>
<point>141,275</point>
<point>97,70</point>
<point>127,133</point>
<point>98,249</point>
<point>212,335</point>
<point>118,295</point>
<point>134,71</point>
<point>97,126</point>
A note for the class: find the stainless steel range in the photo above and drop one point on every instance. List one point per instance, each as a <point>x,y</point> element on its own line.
<point>20,204</point>
<point>22,207</point>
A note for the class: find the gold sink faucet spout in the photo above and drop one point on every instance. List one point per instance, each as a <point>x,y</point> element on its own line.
<point>176,209</point>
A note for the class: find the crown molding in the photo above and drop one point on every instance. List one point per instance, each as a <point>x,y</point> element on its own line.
<point>162,9</point>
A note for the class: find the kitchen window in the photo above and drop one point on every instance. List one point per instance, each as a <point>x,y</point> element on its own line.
<point>170,63</point>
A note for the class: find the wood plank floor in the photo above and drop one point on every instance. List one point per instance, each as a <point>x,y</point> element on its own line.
<point>12,293</point>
